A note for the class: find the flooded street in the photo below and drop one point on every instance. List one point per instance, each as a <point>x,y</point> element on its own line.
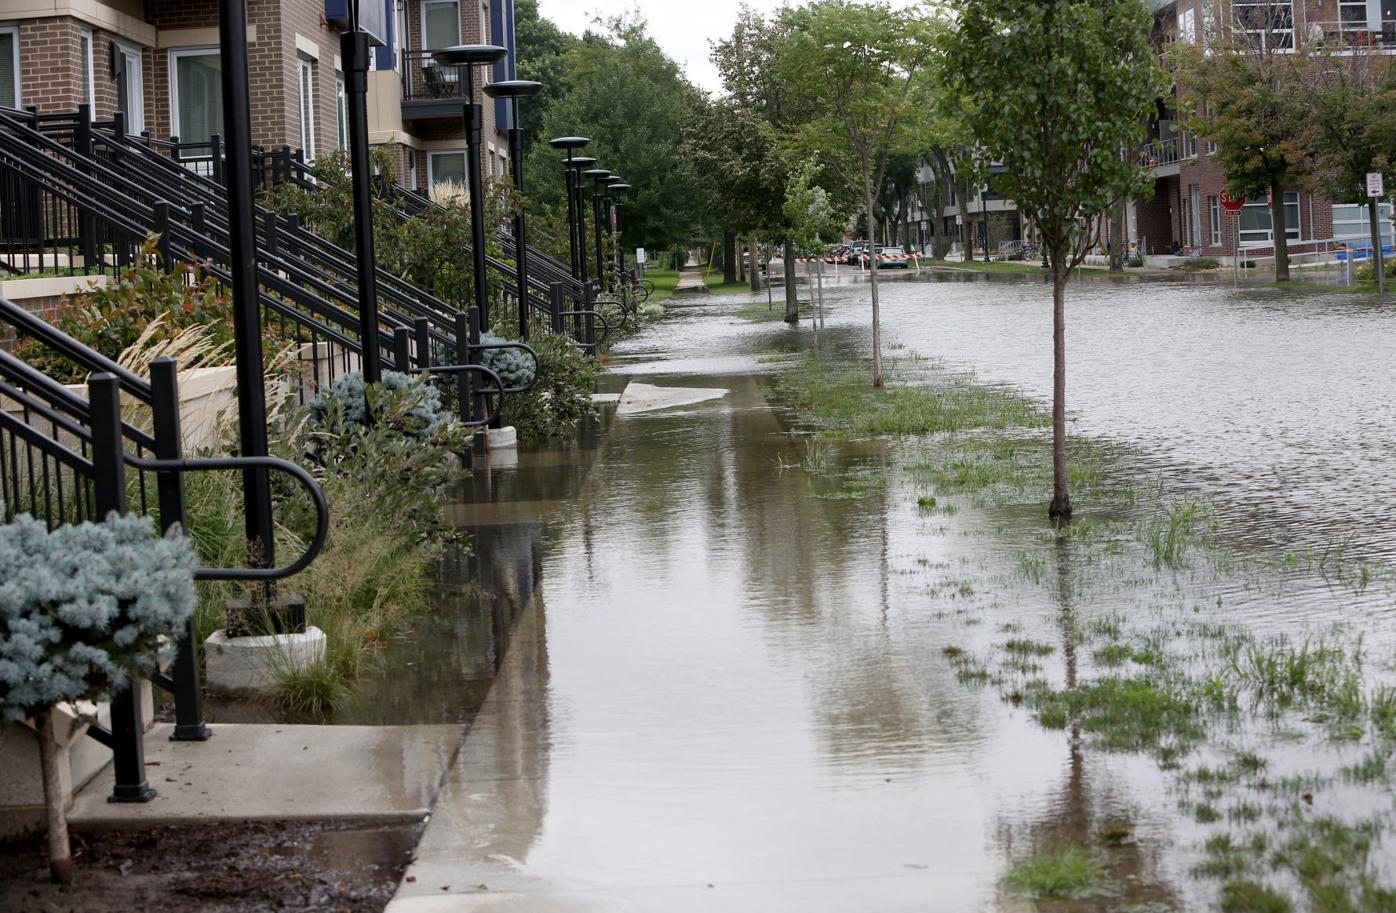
<point>710,679</point>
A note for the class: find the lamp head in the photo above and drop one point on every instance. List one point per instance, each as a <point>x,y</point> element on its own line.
<point>513,88</point>
<point>569,142</point>
<point>580,162</point>
<point>596,174</point>
<point>469,55</point>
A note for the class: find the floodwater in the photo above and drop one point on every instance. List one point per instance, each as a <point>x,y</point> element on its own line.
<point>697,681</point>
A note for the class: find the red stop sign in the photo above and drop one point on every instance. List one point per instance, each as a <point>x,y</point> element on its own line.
<point>1230,203</point>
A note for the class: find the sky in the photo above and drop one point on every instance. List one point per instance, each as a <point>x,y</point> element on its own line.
<point>682,28</point>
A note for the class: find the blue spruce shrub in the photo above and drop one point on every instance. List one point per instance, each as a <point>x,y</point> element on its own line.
<point>514,366</point>
<point>82,608</point>
<point>415,401</point>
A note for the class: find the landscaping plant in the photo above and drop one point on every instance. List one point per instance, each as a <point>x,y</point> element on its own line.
<point>83,612</point>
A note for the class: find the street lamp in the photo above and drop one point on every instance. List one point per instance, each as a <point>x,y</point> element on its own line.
<point>619,188</point>
<point>467,57</point>
<point>571,144</point>
<point>575,167</point>
<point>597,175</point>
<point>513,90</point>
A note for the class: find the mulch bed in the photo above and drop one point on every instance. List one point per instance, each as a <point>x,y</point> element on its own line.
<point>222,868</point>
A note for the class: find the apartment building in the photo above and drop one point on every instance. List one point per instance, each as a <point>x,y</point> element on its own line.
<point>157,61</point>
<point>1185,212</point>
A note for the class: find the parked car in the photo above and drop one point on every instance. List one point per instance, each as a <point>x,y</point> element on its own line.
<point>899,258</point>
<point>856,251</point>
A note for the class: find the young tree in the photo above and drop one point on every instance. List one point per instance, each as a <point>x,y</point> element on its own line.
<point>82,613</point>
<point>1247,87</point>
<point>1064,129</point>
<point>813,220</point>
<point>1352,127</point>
<point>859,72</point>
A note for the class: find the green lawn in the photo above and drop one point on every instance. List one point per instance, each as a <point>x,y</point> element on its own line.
<point>713,278</point>
<point>664,281</point>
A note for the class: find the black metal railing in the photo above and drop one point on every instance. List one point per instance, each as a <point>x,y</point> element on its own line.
<point>423,79</point>
<point>64,458</point>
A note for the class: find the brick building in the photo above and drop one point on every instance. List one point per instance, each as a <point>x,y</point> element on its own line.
<point>157,60</point>
<point>1185,211</point>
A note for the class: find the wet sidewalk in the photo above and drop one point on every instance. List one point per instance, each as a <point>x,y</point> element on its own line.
<point>707,705</point>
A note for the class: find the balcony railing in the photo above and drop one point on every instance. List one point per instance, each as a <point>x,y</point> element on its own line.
<point>1356,34</point>
<point>423,79</point>
<point>1159,152</point>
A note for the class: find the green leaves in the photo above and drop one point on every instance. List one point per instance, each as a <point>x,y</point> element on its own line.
<point>1057,93</point>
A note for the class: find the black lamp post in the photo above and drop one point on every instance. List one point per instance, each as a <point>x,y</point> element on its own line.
<point>513,90</point>
<point>619,189</point>
<point>571,144</point>
<point>576,165</point>
<point>597,175</point>
<point>467,57</point>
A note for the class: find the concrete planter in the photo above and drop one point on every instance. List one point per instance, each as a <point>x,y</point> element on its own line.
<point>506,438</point>
<point>248,663</point>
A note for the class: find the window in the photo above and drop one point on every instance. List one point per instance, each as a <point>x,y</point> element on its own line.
<point>89,90</point>
<point>1256,229</point>
<point>1195,209</point>
<point>9,68</point>
<point>1187,26</point>
<point>1267,24</point>
<point>440,24</point>
<point>1352,221</point>
<point>1191,150</point>
<point>341,110</point>
<point>1214,208</point>
<point>130,87</point>
<point>196,94</point>
<point>305,67</point>
<point>412,171</point>
<point>446,168</point>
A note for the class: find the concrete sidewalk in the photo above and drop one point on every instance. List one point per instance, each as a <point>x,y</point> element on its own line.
<point>691,282</point>
<point>266,772</point>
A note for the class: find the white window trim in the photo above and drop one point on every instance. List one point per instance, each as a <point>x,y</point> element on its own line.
<point>91,74</point>
<point>1269,241</point>
<point>1214,218</point>
<point>305,76</point>
<point>135,120</point>
<point>13,31</point>
<point>431,158</point>
<point>424,24</point>
<point>175,54</point>
<point>341,110</point>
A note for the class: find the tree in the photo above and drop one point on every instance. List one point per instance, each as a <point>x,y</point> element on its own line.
<point>542,54</point>
<point>1064,131</point>
<point>859,71</point>
<point>633,101</point>
<point>83,611</point>
<point>810,213</point>
<point>1252,109</point>
<point>1351,127</point>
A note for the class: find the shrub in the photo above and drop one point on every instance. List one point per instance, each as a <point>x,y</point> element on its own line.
<point>82,612</point>
<point>1367,272</point>
<point>514,366</point>
<point>1197,264</point>
<point>112,318</point>
<point>561,398</point>
<point>412,407</point>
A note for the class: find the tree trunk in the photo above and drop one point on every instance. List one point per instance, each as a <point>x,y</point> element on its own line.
<point>1277,223</point>
<point>878,380</point>
<point>1117,237</point>
<point>1061,495</point>
<point>753,268</point>
<point>792,296</point>
<point>729,257</point>
<point>741,261</point>
<point>60,855</point>
<point>966,229</point>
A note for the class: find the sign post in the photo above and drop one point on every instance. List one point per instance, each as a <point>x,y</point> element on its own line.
<point>1375,191</point>
<point>1234,206</point>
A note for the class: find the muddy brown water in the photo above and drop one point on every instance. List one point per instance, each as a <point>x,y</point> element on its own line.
<point>732,695</point>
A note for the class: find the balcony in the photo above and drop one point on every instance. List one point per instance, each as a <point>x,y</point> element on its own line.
<point>1161,156</point>
<point>429,90</point>
<point>1357,35</point>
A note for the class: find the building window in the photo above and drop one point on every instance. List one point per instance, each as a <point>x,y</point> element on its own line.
<point>89,91</point>
<point>9,68</point>
<point>1187,26</point>
<point>130,86</point>
<point>1191,145</point>
<point>341,111</point>
<point>196,94</point>
<point>1195,210</point>
<point>1256,228</point>
<point>1352,221</point>
<point>445,168</point>
<point>1214,209</point>
<point>440,24</point>
<point>305,67</point>
<point>1267,24</point>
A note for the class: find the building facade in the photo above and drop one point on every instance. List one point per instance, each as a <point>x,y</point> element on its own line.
<point>1185,214</point>
<point>157,61</point>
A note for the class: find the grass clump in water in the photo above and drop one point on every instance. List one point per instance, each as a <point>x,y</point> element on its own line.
<point>1177,529</point>
<point>1057,873</point>
<point>1125,714</point>
<point>1242,896</point>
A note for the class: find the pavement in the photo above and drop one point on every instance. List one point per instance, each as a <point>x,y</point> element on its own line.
<point>261,772</point>
<point>691,282</point>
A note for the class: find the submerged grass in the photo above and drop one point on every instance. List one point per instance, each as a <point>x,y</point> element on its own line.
<point>1057,873</point>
